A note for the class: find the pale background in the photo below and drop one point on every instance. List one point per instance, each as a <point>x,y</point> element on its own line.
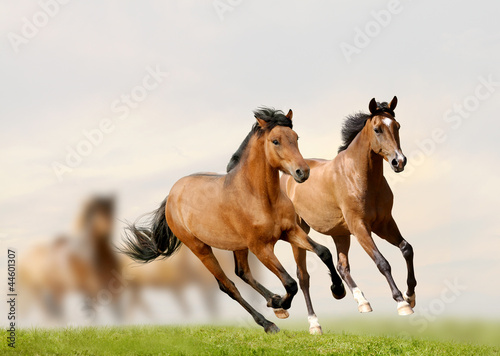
<point>286,54</point>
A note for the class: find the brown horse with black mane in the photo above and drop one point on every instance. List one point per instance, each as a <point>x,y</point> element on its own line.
<point>85,263</point>
<point>240,211</point>
<point>349,195</point>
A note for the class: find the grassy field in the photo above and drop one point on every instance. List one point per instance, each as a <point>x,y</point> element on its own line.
<point>213,340</point>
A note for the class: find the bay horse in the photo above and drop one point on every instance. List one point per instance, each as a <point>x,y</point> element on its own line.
<point>242,210</point>
<point>349,195</point>
<point>84,263</point>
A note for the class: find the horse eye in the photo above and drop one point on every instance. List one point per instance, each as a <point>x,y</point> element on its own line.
<point>377,130</point>
<point>276,142</point>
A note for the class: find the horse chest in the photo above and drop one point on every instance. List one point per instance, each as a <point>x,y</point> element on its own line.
<point>270,223</point>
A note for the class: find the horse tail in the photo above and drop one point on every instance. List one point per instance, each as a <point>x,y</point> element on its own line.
<point>152,240</point>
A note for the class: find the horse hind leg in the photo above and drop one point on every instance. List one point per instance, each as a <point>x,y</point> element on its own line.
<point>207,257</point>
<point>242,270</point>
<point>343,243</point>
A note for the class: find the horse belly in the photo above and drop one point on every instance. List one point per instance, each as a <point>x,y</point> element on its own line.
<point>217,235</point>
<point>319,211</point>
<point>325,221</point>
<point>198,210</point>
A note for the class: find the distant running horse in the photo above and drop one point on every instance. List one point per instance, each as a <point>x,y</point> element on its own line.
<point>349,195</point>
<point>240,211</point>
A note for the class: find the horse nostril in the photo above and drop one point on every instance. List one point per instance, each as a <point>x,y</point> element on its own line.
<point>299,173</point>
<point>394,162</point>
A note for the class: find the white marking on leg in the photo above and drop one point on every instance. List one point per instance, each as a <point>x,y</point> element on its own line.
<point>363,304</point>
<point>359,296</point>
<point>404,308</point>
<point>314,327</point>
<point>313,320</point>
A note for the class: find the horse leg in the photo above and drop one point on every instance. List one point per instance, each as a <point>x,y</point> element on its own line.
<point>299,238</point>
<point>205,254</point>
<point>391,234</point>
<point>242,270</point>
<point>265,253</point>
<point>300,258</point>
<point>365,240</point>
<point>343,244</point>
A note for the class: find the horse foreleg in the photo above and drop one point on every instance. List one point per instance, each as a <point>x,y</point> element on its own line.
<point>343,243</point>
<point>391,234</point>
<point>265,254</point>
<point>303,276</point>
<point>366,241</point>
<point>299,238</point>
<point>242,270</point>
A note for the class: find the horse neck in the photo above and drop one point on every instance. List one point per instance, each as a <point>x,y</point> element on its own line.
<point>368,165</point>
<point>256,172</point>
<point>100,247</point>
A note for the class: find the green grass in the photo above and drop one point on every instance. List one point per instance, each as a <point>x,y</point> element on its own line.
<point>212,340</point>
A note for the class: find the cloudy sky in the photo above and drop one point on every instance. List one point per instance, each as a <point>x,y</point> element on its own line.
<point>130,96</point>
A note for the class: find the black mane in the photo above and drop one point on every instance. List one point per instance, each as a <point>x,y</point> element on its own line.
<point>353,124</point>
<point>272,117</point>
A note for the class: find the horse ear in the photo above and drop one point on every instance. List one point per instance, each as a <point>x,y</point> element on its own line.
<point>261,123</point>
<point>393,103</point>
<point>373,106</point>
<point>290,114</point>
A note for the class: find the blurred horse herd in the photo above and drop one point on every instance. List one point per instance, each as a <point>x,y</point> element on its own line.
<point>86,268</point>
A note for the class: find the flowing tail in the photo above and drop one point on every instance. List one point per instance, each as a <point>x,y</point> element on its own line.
<point>146,243</point>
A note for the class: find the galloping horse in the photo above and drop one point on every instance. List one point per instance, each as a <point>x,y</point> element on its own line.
<point>349,195</point>
<point>240,211</point>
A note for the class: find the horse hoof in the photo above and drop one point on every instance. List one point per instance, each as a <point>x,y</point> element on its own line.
<point>410,299</point>
<point>404,308</point>
<point>365,308</point>
<point>338,292</point>
<point>281,313</point>
<point>272,329</point>
<point>315,330</point>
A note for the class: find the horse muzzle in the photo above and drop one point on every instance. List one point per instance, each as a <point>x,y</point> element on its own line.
<point>398,163</point>
<point>301,174</point>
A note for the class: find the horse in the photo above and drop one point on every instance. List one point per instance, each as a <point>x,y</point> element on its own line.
<point>349,195</point>
<point>84,264</point>
<point>241,211</point>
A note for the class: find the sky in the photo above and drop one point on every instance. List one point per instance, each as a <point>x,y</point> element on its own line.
<point>128,97</point>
